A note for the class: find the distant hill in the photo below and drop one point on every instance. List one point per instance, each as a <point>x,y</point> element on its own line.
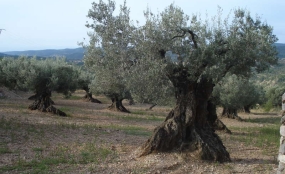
<point>6,55</point>
<point>281,49</point>
<point>77,54</point>
<point>70,54</point>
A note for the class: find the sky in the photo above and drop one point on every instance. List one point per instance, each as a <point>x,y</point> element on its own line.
<point>60,24</point>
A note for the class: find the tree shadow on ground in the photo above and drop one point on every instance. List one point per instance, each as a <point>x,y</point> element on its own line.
<point>256,113</point>
<point>271,120</point>
<point>254,161</point>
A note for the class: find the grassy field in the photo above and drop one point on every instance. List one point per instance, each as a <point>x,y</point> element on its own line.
<point>93,139</point>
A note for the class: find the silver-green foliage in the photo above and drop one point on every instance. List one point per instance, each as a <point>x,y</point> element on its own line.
<point>27,74</point>
<point>235,93</point>
<point>239,46</point>
<point>109,50</point>
<point>127,57</point>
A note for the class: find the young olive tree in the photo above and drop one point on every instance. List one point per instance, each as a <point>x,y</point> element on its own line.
<point>109,51</point>
<point>40,76</point>
<point>206,51</point>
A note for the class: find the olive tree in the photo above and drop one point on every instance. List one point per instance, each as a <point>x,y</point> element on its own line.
<point>206,51</point>
<point>40,76</point>
<point>234,93</point>
<point>84,80</point>
<point>109,52</point>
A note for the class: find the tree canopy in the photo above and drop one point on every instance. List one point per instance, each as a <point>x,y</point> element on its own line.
<point>190,53</point>
<point>40,76</point>
<point>234,93</point>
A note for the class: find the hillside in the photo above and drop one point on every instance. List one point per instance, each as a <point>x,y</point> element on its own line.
<point>78,53</point>
<point>281,49</point>
<point>70,54</point>
<point>6,55</point>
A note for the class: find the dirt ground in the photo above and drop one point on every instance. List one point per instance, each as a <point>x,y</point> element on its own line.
<point>28,135</point>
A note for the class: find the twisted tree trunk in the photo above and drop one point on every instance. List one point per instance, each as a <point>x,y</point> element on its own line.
<point>231,113</point>
<point>44,103</point>
<point>117,105</point>
<point>88,97</point>
<point>187,127</point>
<point>38,95</point>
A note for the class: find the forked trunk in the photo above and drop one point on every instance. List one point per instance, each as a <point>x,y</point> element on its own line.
<point>187,127</point>
<point>88,97</point>
<point>117,105</point>
<point>44,104</point>
<point>231,113</point>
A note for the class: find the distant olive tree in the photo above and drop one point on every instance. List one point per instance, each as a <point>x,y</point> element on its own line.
<point>206,50</point>
<point>273,95</point>
<point>84,81</point>
<point>109,53</point>
<point>234,93</point>
<point>40,76</point>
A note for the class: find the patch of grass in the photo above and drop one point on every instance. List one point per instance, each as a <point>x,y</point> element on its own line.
<point>265,120</point>
<point>76,154</point>
<point>145,118</point>
<point>139,112</point>
<point>130,117</point>
<point>74,97</point>
<point>37,149</point>
<point>266,138</point>
<point>67,110</point>
<point>5,124</point>
<point>4,150</point>
<point>131,130</point>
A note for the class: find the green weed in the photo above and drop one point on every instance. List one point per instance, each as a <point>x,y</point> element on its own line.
<point>131,130</point>
<point>88,153</point>
<point>4,150</point>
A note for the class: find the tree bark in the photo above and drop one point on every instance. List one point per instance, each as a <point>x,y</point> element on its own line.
<point>88,97</point>
<point>231,113</point>
<point>246,109</point>
<point>37,95</point>
<point>117,105</point>
<point>187,127</point>
<point>44,104</point>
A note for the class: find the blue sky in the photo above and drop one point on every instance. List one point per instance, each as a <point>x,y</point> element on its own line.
<point>59,24</point>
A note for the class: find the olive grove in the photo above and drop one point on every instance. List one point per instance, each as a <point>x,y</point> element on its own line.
<point>40,76</point>
<point>205,52</point>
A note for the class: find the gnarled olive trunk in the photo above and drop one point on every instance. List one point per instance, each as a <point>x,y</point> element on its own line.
<point>187,127</point>
<point>44,103</point>
<point>231,113</point>
<point>117,105</point>
<point>88,97</point>
<point>37,95</point>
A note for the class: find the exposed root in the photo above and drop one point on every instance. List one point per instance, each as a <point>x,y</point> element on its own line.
<point>45,106</point>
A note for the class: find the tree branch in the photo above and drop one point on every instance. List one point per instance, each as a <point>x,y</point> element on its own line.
<point>187,30</point>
